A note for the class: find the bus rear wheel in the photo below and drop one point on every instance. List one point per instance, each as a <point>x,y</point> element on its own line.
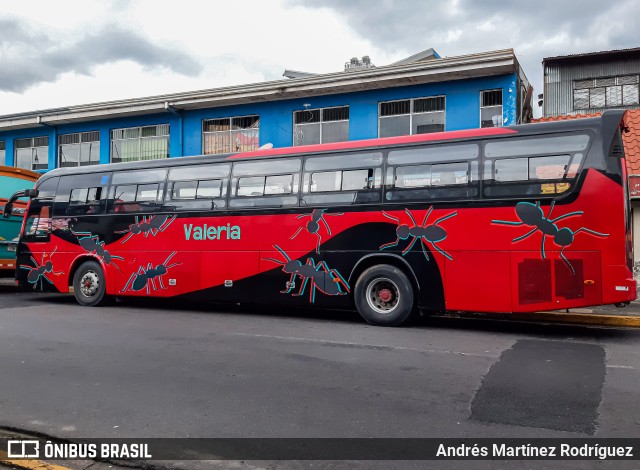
<point>384,296</point>
<point>89,285</point>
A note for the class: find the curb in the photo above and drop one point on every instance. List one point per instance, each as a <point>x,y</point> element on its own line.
<point>593,319</point>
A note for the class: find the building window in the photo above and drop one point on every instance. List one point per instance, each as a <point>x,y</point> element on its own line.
<point>140,143</point>
<point>606,92</point>
<point>80,149</point>
<point>491,108</point>
<point>33,153</point>
<point>230,135</point>
<point>321,126</point>
<point>415,116</point>
<point>2,152</point>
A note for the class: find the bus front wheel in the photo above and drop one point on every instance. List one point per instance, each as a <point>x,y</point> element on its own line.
<point>89,284</point>
<point>384,296</point>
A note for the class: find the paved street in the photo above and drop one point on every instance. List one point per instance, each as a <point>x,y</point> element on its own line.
<point>158,369</point>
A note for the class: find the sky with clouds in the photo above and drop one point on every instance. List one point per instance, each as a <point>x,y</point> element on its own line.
<point>55,54</point>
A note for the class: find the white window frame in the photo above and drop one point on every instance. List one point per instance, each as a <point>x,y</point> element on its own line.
<point>320,123</point>
<point>493,106</point>
<point>594,85</point>
<point>140,139</point>
<point>229,132</point>
<point>33,148</point>
<point>81,137</point>
<point>3,152</point>
<point>412,112</point>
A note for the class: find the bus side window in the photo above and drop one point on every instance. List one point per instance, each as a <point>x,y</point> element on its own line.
<point>343,179</point>
<point>197,187</point>
<point>137,191</point>
<point>267,183</point>
<point>82,194</point>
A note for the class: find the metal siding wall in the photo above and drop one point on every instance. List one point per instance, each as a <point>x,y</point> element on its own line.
<point>558,83</point>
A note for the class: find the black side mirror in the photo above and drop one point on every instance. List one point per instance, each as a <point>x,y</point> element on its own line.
<point>8,208</point>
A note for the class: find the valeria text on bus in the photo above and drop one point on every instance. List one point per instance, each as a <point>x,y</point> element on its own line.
<point>513,219</point>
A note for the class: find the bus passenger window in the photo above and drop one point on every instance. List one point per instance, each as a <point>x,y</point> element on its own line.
<point>413,176</point>
<point>280,184</point>
<point>355,180</point>
<point>251,186</point>
<point>548,168</point>
<point>511,169</point>
<point>147,193</point>
<point>184,190</point>
<point>449,174</point>
<point>326,181</point>
<point>209,189</point>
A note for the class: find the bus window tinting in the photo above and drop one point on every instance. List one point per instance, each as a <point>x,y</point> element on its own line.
<point>267,167</point>
<point>356,180</point>
<point>199,172</point>
<point>449,174</point>
<point>511,169</point>
<point>536,146</point>
<point>250,186</point>
<point>209,189</point>
<point>184,190</point>
<point>548,168</point>
<point>81,194</point>
<point>47,189</point>
<point>345,161</point>
<point>434,153</point>
<point>138,177</point>
<point>413,176</point>
<point>279,184</point>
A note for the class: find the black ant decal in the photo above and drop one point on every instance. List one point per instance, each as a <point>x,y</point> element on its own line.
<point>92,244</point>
<point>151,226</point>
<point>331,279</point>
<point>313,226</point>
<point>431,234</point>
<point>143,277</point>
<point>40,271</point>
<point>532,215</point>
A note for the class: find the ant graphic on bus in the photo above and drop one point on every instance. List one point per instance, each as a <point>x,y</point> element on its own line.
<point>319,274</point>
<point>313,226</point>
<point>40,271</point>
<point>430,234</point>
<point>91,243</point>
<point>149,226</point>
<point>142,278</point>
<point>532,215</point>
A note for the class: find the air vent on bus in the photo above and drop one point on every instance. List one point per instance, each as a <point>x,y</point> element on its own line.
<point>617,151</point>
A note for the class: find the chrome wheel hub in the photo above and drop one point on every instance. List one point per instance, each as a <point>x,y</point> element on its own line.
<point>89,283</point>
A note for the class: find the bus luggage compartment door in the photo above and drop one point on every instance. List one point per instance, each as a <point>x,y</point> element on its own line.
<point>553,282</point>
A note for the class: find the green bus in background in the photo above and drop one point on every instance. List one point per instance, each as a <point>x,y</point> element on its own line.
<point>12,180</point>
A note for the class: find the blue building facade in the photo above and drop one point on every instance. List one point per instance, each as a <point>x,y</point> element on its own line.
<point>438,94</point>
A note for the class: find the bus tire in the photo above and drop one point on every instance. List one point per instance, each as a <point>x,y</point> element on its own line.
<point>89,286</point>
<point>384,296</point>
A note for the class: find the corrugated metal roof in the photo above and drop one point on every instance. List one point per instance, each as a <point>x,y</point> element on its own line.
<point>450,68</point>
<point>631,139</point>
<point>614,52</point>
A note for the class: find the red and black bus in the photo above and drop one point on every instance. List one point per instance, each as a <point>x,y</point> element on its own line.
<point>512,219</point>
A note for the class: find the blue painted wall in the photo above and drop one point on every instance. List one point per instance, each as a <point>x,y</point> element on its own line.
<point>276,117</point>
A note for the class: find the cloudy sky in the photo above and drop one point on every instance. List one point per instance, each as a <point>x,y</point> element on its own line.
<point>73,52</point>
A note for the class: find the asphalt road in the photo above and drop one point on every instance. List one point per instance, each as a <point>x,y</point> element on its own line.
<point>160,369</point>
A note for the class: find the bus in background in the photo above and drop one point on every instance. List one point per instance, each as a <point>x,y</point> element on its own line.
<point>507,219</point>
<point>12,180</point>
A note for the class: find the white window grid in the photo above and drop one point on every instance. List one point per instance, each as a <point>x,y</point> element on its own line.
<point>143,135</point>
<point>492,106</point>
<point>297,127</point>
<point>227,135</point>
<point>411,112</point>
